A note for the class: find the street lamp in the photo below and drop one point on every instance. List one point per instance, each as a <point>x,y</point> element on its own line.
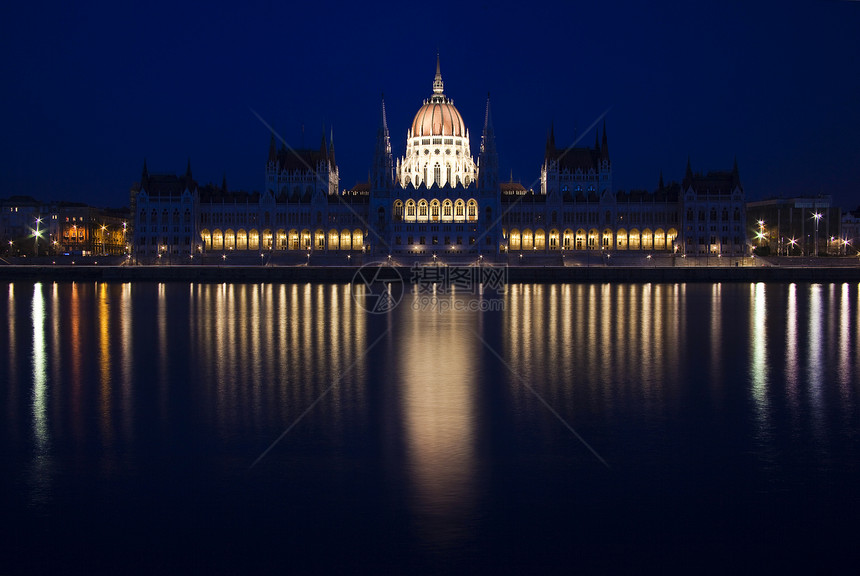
<point>37,233</point>
<point>817,216</point>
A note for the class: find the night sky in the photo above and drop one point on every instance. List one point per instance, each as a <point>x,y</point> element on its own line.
<point>91,90</point>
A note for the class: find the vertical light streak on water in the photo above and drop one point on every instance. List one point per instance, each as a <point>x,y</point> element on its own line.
<point>606,324</point>
<point>219,355</point>
<point>269,383</point>
<point>163,363</point>
<point>592,347</point>
<point>40,374</point>
<point>104,364</point>
<point>282,374</point>
<point>646,345</point>
<point>759,359</point>
<point>57,358</point>
<point>12,364</point>
<point>815,365</point>
<point>524,355</point>
<point>126,346</point>
<point>844,339</point>
<point>791,351</point>
<point>553,344</point>
<point>295,392</point>
<point>254,354</point>
<point>717,359</point>
<point>565,349</point>
<point>41,463</point>
<point>619,343</point>
<point>631,326</point>
<point>312,384</point>
<point>437,373</point>
<point>76,303</point>
<point>657,335</point>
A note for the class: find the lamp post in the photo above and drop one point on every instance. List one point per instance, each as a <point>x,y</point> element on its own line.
<point>37,233</point>
<point>817,216</point>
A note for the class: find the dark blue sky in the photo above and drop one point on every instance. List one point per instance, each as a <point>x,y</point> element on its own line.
<point>89,91</point>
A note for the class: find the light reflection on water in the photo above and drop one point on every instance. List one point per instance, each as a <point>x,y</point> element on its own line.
<point>112,363</point>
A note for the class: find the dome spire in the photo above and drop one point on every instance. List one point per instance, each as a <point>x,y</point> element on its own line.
<point>438,86</point>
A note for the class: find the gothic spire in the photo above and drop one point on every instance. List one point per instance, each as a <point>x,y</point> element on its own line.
<point>550,141</point>
<point>144,177</point>
<point>736,178</point>
<point>604,147</point>
<point>331,148</point>
<point>273,152</point>
<point>488,161</point>
<point>189,182</point>
<point>382,175</point>
<point>438,86</point>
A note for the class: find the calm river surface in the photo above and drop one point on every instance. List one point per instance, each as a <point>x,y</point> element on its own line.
<point>246,428</point>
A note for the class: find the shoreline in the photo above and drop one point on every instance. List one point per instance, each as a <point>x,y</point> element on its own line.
<point>341,274</point>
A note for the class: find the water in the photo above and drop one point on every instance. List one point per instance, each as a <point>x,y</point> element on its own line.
<point>247,428</point>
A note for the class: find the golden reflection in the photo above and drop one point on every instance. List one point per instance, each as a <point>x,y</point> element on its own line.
<point>791,352</point>
<point>844,342</point>
<point>40,372</point>
<point>438,372</point>
<point>76,330</point>
<point>815,364</point>
<point>717,359</point>
<point>104,362</point>
<point>163,361</point>
<point>126,347</point>
<point>12,320</point>
<point>759,360</point>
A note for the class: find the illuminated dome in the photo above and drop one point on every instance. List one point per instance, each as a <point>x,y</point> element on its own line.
<point>438,118</point>
<point>437,144</point>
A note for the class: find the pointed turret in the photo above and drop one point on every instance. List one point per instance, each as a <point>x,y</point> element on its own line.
<point>688,175</point>
<point>550,141</point>
<point>189,182</point>
<point>273,151</point>
<point>331,148</point>
<point>438,85</point>
<point>604,147</point>
<point>488,160</point>
<point>736,178</point>
<point>382,175</point>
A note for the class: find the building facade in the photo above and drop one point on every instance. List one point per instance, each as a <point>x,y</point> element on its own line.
<point>439,199</point>
<point>800,226</point>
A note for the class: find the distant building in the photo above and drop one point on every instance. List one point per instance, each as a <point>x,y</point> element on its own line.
<point>438,198</point>
<point>850,236</point>
<point>800,226</point>
<point>89,231</point>
<point>27,226</point>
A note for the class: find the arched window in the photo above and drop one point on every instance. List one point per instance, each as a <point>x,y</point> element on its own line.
<point>459,210</point>
<point>410,210</point>
<point>422,210</point>
<point>398,210</point>
<point>434,210</point>
<point>448,174</point>
<point>447,210</point>
<point>437,173</point>
<point>472,211</point>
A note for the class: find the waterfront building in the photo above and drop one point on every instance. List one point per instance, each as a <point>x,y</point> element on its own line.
<point>850,235</point>
<point>438,198</point>
<point>799,226</point>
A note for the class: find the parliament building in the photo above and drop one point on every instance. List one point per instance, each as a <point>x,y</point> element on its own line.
<point>437,199</point>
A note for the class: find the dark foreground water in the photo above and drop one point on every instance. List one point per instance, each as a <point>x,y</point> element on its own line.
<point>554,428</point>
